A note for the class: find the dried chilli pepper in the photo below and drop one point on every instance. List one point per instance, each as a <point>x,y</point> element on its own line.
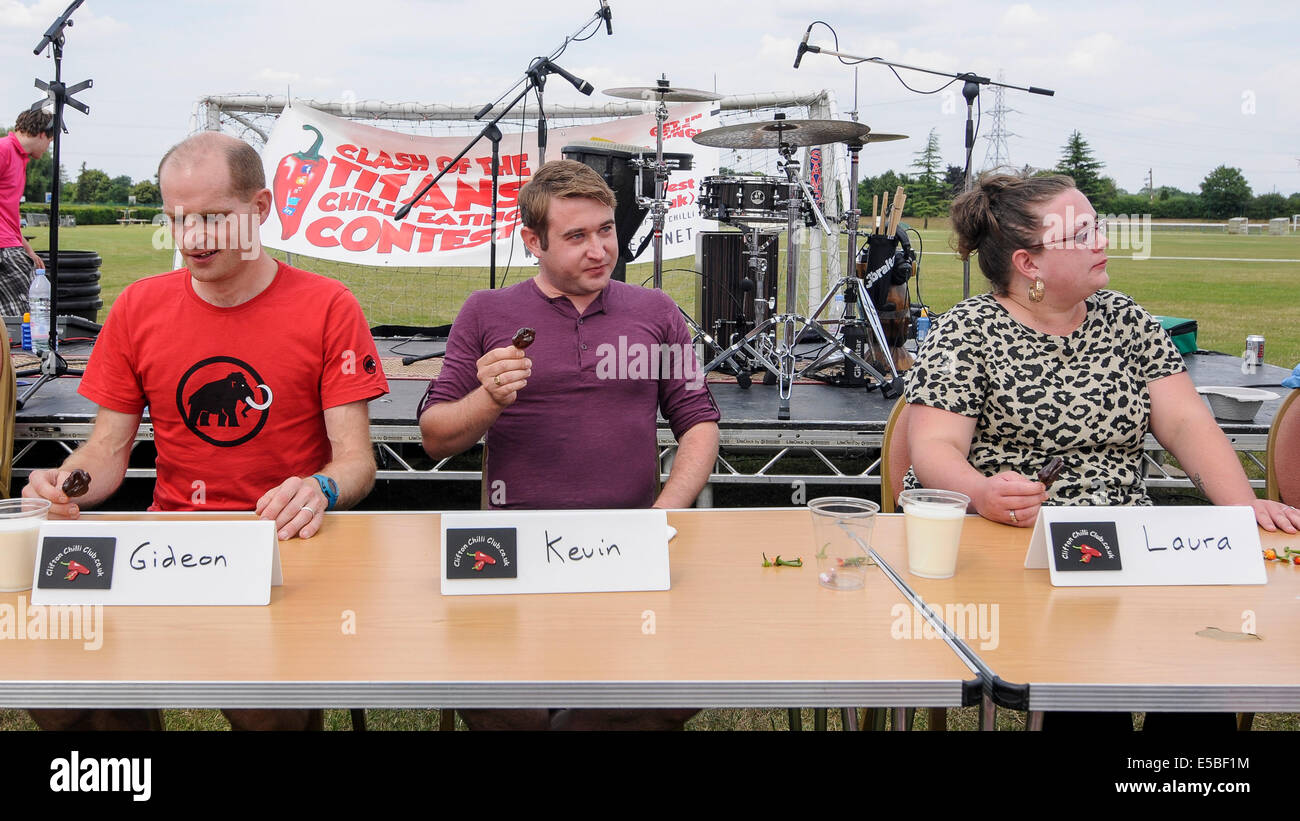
<point>296,179</point>
<point>523,338</point>
<point>77,483</point>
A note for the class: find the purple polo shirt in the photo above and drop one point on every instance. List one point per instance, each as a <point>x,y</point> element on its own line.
<point>582,432</point>
<point>13,179</point>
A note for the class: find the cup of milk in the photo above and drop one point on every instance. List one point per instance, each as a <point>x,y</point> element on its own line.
<point>933,519</point>
<point>842,528</point>
<point>20,522</point>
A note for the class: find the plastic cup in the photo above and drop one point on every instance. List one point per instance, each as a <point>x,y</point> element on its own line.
<point>20,522</point>
<point>842,560</point>
<point>933,520</point>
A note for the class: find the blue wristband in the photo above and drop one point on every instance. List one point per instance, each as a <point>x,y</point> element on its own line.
<point>328,487</point>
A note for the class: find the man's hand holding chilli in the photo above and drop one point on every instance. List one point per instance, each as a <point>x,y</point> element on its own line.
<point>503,372</point>
<point>48,484</point>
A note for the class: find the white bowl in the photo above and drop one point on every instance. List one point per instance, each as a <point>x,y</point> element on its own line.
<point>1233,404</point>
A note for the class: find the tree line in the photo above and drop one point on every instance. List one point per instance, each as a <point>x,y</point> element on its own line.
<point>91,187</point>
<point>1224,193</point>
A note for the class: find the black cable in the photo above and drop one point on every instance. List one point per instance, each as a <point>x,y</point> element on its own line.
<point>518,209</point>
<point>920,253</point>
<point>740,306</point>
<point>846,62</point>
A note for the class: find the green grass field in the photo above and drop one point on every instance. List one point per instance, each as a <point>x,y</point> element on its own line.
<point>1229,299</point>
<point>1188,275</point>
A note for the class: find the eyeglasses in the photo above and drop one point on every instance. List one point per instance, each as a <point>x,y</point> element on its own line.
<point>1086,238</point>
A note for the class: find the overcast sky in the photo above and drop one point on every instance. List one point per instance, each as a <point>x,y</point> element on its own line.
<point>1178,88</point>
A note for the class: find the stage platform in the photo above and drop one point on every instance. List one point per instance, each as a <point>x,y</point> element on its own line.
<point>833,436</point>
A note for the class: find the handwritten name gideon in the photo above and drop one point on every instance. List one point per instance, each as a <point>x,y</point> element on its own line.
<point>149,557</point>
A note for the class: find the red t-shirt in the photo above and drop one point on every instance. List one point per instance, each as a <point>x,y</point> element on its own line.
<point>236,395</point>
<point>13,179</point>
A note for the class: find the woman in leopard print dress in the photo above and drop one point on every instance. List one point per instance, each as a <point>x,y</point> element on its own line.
<point>1050,364</point>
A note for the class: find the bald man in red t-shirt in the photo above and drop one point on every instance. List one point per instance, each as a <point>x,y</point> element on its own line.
<point>257,377</point>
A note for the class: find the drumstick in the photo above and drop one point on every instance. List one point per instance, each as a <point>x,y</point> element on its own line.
<point>900,197</point>
<point>884,212</point>
<point>875,209</point>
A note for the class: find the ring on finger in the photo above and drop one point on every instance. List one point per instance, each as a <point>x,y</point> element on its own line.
<point>496,380</point>
<point>310,512</point>
<point>1013,516</point>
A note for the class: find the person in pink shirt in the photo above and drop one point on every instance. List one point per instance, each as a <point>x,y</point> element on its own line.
<point>30,139</point>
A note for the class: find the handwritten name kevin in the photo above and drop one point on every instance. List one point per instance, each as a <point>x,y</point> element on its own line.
<point>576,553</point>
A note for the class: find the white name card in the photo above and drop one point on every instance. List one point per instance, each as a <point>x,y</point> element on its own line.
<point>554,551</point>
<point>161,562</point>
<point>1124,546</point>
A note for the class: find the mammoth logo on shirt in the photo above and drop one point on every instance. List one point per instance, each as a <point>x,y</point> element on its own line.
<point>223,401</point>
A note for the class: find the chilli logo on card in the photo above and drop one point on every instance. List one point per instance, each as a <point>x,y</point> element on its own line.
<point>1085,546</point>
<point>482,553</point>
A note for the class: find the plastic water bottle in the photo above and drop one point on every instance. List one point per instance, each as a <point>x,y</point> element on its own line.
<point>922,326</point>
<point>38,298</point>
<point>27,331</point>
<point>838,309</point>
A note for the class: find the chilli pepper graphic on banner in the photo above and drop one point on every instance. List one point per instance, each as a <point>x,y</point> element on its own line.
<point>296,179</point>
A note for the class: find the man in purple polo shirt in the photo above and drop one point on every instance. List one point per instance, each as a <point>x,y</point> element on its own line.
<point>571,424</point>
<point>29,140</point>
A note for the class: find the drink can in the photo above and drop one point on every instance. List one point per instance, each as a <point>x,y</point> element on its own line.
<point>1255,350</point>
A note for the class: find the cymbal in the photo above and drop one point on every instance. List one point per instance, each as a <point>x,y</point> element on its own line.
<point>663,92</point>
<point>775,133</point>
<point>873,137</point>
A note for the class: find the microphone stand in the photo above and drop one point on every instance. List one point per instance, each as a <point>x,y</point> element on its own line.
<point>52,364</point>
<point>534,78</point>
<point>970,91</point>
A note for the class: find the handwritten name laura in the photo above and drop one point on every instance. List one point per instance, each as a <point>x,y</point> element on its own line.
<point>1190,543</point>
<point>576,553</point>
<point>147,557</point>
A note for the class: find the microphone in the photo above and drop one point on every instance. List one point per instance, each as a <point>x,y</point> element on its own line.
<point>608,15</point>
<point>803,47</point>
<point>582,85</point>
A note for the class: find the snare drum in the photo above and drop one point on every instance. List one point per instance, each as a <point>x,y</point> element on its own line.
<point>743,199</point>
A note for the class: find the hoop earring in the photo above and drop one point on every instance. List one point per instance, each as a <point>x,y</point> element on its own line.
<point>1037,290</point>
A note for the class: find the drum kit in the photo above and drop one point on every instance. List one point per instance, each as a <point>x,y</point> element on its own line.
<point>751,203</point>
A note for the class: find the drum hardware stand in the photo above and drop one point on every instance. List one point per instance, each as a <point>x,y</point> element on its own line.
<point>57,92</point>
<point>752,311</point>
<point>658,205</point>
<point>855,290</point>
<point>785,365</point>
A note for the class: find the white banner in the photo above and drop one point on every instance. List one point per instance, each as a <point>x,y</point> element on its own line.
<point>336,184</point>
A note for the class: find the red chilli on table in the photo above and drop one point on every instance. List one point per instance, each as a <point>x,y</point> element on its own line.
<point>296,179</point>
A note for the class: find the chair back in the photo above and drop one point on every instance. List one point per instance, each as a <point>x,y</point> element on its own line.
<point>8,411</point>
<point>1282,482</point>
<point>895,458</point>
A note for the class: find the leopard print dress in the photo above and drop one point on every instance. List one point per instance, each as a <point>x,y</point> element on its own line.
<point>1082,397</point>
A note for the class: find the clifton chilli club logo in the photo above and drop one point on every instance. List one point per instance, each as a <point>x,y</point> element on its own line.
<point>482,553</point>
<point>72,563</point>
<point>223,401</point>
<point>1085,546</point>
